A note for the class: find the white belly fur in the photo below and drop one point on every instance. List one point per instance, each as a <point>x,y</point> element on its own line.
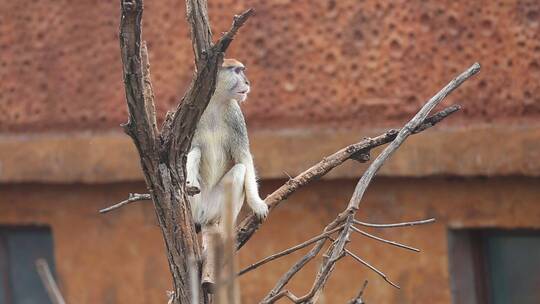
<point>215,161</point>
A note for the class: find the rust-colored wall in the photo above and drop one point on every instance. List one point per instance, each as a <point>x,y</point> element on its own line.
<point>347,62</point>
<point>118,258</point>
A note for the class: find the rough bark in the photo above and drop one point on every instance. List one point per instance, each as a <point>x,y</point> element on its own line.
<point>163,155</point>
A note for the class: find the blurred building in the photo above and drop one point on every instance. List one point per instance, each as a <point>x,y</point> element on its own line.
<point>324,74</point>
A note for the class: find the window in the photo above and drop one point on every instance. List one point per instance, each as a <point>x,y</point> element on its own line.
<point>495,266</point>
<point>19,249</point>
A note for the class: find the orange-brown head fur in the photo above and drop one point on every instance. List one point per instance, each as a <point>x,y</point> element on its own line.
<point>231,62</point>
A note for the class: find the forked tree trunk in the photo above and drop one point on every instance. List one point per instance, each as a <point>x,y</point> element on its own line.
<point>163,152</point>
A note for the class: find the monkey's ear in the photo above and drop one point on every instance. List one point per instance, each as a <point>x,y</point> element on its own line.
<point>192,190</point>
<point>239,69</point>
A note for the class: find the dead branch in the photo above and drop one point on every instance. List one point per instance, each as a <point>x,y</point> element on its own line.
<point>330,258</point>
<point>384,240</point>
<point>289,250</point>
<point>251,223</point>
<point>377,271</point>
<point>358,151</point>
<point>133,197</point>
<point>409,128</point>
<point>358,299</point>
<point>404,224</point>
<point>48,281</point>
<point>338,247</point>
<point>139,125</point>
<point>238,20</point>
<point>274,294</point>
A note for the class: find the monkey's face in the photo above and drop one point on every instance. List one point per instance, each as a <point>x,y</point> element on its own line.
<point>232,82</point>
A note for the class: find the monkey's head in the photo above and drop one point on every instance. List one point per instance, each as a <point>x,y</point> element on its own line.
<point>232,82</point>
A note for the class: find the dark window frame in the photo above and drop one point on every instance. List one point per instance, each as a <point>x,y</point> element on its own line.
<point>5,282</point>
<point>469,270</point>
<point>468,265</point>
<point>10,235</point>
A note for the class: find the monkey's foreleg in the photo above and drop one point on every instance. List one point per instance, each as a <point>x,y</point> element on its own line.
<point>254,201</point>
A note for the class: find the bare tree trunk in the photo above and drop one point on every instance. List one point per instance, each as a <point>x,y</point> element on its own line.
<point>163,154</point>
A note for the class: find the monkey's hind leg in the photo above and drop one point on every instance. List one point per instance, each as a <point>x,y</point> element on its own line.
<point>232,185</point>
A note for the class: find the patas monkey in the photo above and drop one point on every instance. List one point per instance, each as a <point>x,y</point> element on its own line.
<point>219,155</point>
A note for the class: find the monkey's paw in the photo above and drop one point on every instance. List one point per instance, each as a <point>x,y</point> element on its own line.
<point>192,189</point>
<point>260,208</point>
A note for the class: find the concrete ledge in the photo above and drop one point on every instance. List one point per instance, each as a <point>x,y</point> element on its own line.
<point>111,157</point>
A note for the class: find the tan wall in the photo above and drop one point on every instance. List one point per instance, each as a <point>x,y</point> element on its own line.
<point>111,157</point>
<point>118,258</point>
<point>340,63</point>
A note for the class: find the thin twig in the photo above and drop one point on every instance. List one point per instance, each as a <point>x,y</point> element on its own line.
<point>238,21</point>
<point>133,197</point>
<point>384,240</point>
<point>330,258</point>
<point>358,299</point>
<point>377,271</point>
<point>393,225</point>
<point>436,118</point>
<point>293,271</point>
<point>334,253</point>
<point>286,293</point>
<point>48,281</point>
<point>288,251</point>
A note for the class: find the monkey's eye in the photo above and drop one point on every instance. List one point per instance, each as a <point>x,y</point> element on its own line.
<point>239,70</point>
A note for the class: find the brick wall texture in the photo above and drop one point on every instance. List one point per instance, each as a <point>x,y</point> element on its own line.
<point>344,63</point>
